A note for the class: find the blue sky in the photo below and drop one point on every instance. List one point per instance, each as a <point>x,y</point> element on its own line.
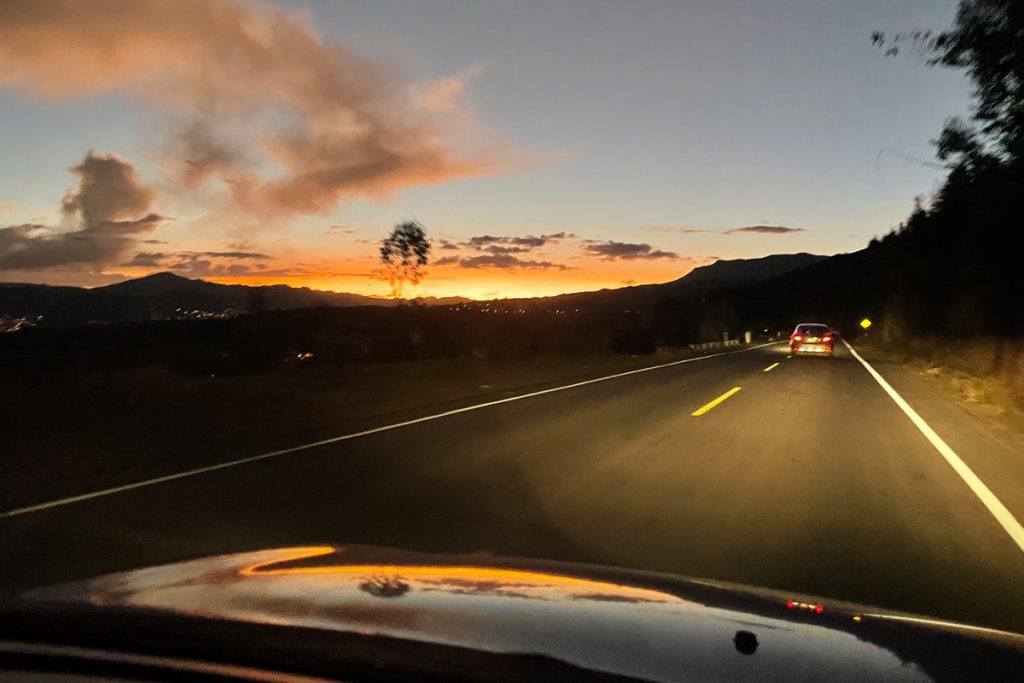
<point>635,115</point>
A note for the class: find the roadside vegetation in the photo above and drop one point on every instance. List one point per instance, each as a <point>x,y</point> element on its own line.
<point>986,373</point>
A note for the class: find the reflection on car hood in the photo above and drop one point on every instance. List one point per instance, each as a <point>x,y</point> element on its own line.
<point>644,625</point>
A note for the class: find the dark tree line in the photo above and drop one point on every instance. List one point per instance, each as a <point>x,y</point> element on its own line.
<point>952,267</point>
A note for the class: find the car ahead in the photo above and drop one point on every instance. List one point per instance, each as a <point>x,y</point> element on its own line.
<point>811,339</point>
<point>365,613</point>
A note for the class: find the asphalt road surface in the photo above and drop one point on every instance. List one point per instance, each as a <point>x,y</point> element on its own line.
<point>808,478</point>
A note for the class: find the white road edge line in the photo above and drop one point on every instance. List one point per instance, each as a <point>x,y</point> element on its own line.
<point>941,622</point>
<point>983,492</point>
<point>345,437</point>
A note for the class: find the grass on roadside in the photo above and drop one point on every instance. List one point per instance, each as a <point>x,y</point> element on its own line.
<point>983,373</point>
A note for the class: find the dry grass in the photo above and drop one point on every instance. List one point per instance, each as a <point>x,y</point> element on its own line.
<point>986,373</point>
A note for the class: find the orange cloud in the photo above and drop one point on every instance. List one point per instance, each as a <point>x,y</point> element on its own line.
<point>448,94</point>
<point>253,77</point>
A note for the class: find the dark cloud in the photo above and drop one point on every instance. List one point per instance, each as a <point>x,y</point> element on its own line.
<point>145,259</point>
<point>194,264</point>
<point>234,254</point>
<point>499,249</point>
<point>611,250</point>
<point>753,229</point>
<point>484,240</point>
<point>199,263</point>
<point>763,230</point>
<point>448,246</point>
<point>528,242</point>
<point>293,270</point>
<point>343,229</point>
<point>504,261</point>
<point>105,212</point>
<point>683,230</point>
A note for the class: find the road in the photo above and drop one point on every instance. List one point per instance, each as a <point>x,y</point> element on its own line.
<point>808,478</point>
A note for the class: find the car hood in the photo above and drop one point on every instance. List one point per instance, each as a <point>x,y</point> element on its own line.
<point>636,624</point>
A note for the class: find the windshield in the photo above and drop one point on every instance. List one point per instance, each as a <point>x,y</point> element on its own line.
<point>718,290</point>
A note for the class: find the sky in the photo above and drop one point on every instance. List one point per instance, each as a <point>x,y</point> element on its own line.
<point>545,147</point>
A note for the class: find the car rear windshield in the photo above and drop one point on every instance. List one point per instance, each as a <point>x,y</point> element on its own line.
<point>814,330</point>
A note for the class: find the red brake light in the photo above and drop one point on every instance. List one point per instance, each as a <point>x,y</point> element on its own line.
<point>797,337</point>
<point>805,605</point>
<point>827,338</point>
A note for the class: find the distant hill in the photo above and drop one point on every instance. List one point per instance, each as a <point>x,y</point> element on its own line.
<point>157,283</point>
<point>724,273</point>
<point>164,296</point>
<point>737,271</point>
<point>266,297</point>
<point>939,276</point>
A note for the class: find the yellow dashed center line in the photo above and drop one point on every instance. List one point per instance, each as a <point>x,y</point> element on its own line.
<point>708,406</point>
<point>770,367</point>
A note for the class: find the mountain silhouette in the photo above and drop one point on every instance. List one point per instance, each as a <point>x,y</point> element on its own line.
<point>163,296</point>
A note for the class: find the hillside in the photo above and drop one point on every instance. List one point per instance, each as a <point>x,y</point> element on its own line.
<point>950,271</point>
<point>700,280</point>
<point>727,272</point>
<point>165,296</point>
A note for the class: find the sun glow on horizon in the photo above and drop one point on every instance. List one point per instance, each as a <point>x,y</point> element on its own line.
<point>478,284</point>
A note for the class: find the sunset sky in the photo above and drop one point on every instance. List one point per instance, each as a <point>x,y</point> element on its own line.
<point>546,147</point>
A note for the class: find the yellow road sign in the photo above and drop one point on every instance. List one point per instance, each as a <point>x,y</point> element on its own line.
<point>865,323</point>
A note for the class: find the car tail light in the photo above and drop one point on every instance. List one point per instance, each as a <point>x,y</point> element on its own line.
<point>827,338</point>
<point>797,337</point>
<point>794,604</point>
